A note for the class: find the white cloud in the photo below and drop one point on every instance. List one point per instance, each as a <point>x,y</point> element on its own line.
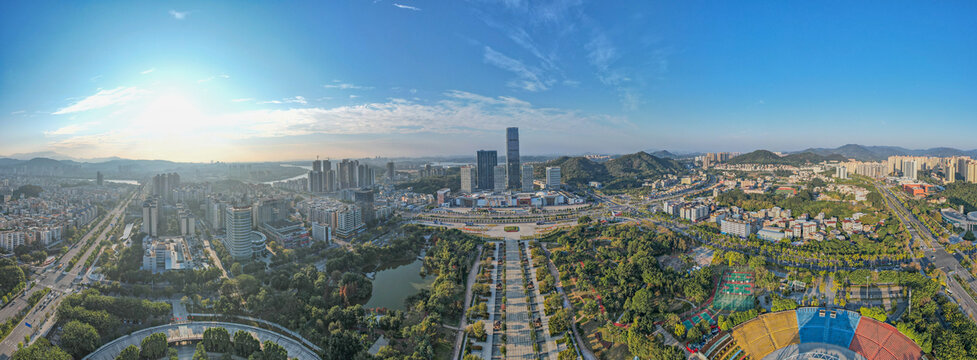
<point>291,100</point>
<point>528,78</point>
<point>457,112</point>
<point>70,129</point>
<point>101,99</point>
<point>18,112</point>
<point>408,7</point>
<point>243,100</point>
<point>179,15</point>
<point>353,96</point>
<point>147,71</point>
<point>346,86</point>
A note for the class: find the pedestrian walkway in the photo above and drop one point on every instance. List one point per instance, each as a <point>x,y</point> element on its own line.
<point>519,342</point>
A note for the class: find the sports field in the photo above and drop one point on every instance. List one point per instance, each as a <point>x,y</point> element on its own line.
<point>735,293</point>
<point>698,318</point>
<point>737,289</point>
<point>739,277</point>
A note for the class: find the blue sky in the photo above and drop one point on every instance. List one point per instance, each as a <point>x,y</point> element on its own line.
<point>254,81</point>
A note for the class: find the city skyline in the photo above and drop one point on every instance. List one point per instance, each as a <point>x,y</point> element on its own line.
<point>198,82</point>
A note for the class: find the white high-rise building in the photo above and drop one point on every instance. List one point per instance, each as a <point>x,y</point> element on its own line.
<point>499,178</point>
<point>841,172</point>
<point>468,179</point>
<point>910,169</point>
<point>552,177</point>
<point>527,178</point>
<point>348,220</point>
<point>238,238</point>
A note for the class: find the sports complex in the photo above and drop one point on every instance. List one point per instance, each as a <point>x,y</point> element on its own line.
<point>812,333</point>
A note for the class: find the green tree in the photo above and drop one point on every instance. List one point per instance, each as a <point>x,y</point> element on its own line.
<point>271,351</point>
<point>567,354</point>
<point>41,349</point>
<point>477,330</point>
<point>679,330</point>
<point>79,339</point>
<point>217,339</point>
<point>200,353</point>
<point>559,322</point>
<point>131,352</point>
<point>969,236</point>
<point>245,344</point>
<point>780,304</point>
<point>877,313</point>
<point>153,346</point>
<point>694,334</point>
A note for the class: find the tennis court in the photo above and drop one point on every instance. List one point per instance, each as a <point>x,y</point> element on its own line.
<point>731,302</point>
<point>737,289</point>
<point>735,293</point>
<point>698,318</point>
<point>739,277</point>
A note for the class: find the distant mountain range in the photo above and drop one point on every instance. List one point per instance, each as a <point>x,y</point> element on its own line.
<point>876,153</point>
<point>766,157</point>
<point>56,156</point>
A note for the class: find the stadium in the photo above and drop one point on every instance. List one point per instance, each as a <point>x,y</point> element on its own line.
<point>812,333</point>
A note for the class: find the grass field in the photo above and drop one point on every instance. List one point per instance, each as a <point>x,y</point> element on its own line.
<point>511,228</point>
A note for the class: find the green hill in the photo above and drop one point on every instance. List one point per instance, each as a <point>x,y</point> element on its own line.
<point>765,157</point>
<point>574,170</point>
<point>580,170</point>
<point>642,163</point>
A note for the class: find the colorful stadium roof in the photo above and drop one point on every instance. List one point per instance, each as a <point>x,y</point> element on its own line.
<point>842,334</point>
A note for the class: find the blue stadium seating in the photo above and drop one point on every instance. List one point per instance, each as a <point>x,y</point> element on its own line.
<point>812,327</point>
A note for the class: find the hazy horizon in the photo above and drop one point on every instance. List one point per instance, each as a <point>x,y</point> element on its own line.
<point>264,81</point>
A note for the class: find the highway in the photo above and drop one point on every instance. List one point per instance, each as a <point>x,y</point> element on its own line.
<point>61,283</point>
<point>935,253</point>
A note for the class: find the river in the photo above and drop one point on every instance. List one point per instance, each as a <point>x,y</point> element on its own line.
<point>296,177</point>
<point>392,286</point>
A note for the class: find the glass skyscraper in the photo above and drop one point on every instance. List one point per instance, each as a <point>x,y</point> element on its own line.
<point>513,171</point>
<point>486,161</point>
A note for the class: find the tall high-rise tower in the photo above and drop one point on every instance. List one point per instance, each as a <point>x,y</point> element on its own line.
<point>238,231</point>
<point>486,161</point>
<point>468,179</point>
<point>513,171</point>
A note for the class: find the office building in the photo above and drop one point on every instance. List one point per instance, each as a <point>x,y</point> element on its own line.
<point>513,171</point>
<point>390,170</point>
<point>527,178</point>
<point>552,177</point>
<point>99,178</point>
<point>238,232</point>
<point>498,178</point>
<point>468,179</point>
<point>486,161</point>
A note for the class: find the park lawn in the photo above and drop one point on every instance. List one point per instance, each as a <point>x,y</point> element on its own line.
<point>617,351</point>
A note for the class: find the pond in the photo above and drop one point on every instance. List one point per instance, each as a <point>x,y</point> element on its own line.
<point>392,286</point>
